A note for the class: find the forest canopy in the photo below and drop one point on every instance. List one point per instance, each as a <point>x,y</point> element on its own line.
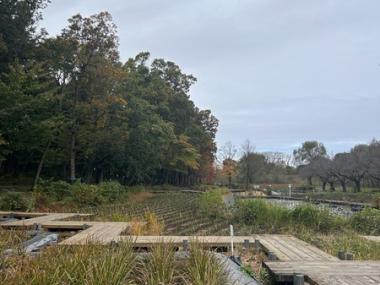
<point>70,109</point>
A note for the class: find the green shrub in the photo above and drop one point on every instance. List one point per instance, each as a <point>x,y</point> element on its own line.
<point>86,194</point>
<point>261,215</point>
<point>211,203</point>
<point>58,189</point>
<point>135,188</point>
<point>13,201</point>
<point>266,217</point>
<point>111,190</point>
<point>366,221</point>
<point>316,218</point>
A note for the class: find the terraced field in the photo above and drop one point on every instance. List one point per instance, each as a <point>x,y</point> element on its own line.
<point>177,211</point>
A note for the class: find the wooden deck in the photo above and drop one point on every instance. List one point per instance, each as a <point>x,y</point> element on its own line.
<point>208,241</point>
<point>98,232</point>
<point>94,232</point>
<point>29,220</point>
<point>291,254</point>
<point>328,272</point>
<point>289,248</point>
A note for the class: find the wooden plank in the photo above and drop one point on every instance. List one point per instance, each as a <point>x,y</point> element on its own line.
<point>328,272</point>
<point>99,232</point>
<point>320,253</point>
<point>213,241</point>
<point>372,238</point>
<point>269,246</point>
<point>41,219</point>
<point>289,248</point>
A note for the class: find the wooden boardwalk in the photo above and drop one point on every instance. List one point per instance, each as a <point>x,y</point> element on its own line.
<point>328,272</point>
<point>29,220</point>
<point>94,232</point>
<point>289,248</point>
<point>319,268</point>
<point>289,255</point>
<point>98,232</point>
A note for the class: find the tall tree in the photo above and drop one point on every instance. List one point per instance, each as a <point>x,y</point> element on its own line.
<point>18,19</point>
<point>93,55</point>
<point>309,151</point>
<point>229,164</point>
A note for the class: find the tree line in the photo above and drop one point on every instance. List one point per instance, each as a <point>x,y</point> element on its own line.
<point>244,166</point>
<point>358,167</point>
<point>70,109</point>
<point>310,162</point>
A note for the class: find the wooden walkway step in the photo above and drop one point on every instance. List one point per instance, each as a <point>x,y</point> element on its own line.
<point>328,272</point>
<point>99,233</point>
<point>289,248</point>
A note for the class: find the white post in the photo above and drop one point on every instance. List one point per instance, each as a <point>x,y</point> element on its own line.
<point>232,239</point>
<point>290,190</point>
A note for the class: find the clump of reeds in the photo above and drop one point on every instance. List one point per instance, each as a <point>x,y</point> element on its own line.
<point>153,225</point>
<point>84,264</point>
<point>203,268</point>
<point>159,266</point>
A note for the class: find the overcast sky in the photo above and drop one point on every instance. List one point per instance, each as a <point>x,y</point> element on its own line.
<point>272,71</point>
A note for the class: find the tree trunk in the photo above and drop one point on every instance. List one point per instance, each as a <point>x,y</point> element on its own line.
<point>344,187</point>
<point>357,185</point>
<point>40,165</point>
<point>332,187</point>
<point>229,181</point>
<point>310,180</point>
<point>72,159</point>
<point>324,186</point>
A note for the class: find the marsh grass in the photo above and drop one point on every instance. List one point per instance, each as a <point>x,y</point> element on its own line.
<point>159,266</point>
<point>203,268</point>
<point>153,225</point>
<point>92,264</point>
<point>268,218</point>
<point>348,241</point>
<point>85,264</point>
<point>366,221</point>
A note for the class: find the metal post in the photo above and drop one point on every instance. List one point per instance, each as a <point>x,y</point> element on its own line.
<point>37,227</point>
<point>271,256</point>
<point>257,245</point>
<point>298,279</point>
<point>232,239</point>
<point>246,243</point>
<point>185,245</point>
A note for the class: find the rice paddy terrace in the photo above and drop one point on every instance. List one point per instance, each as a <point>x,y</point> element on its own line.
<point>176,211</point>
<point>285,254</point>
